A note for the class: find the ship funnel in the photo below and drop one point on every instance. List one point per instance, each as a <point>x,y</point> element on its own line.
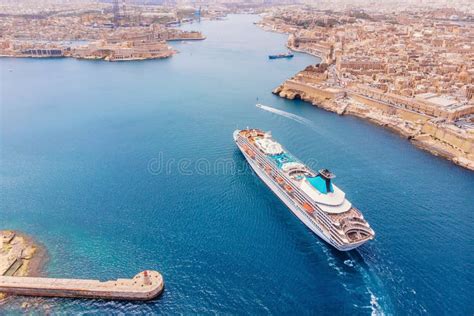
<point>327,176</point>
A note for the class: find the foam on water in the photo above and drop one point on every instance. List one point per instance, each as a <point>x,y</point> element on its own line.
<point>345,264</point>
<point>306,122</point>
<point>374,304</point>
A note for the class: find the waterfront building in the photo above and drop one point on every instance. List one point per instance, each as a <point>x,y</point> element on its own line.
<point>428,104</point>
<point>360,65</point>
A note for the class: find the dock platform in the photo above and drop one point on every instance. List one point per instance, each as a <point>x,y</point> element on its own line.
<point>146,285</point>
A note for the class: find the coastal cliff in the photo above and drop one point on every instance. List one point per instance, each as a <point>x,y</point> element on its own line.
<point>442,140</point>
<point>352,80</point>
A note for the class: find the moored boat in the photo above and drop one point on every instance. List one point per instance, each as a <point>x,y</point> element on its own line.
<point>283,55</point>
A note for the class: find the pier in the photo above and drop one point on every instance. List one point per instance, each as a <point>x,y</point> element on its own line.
<point>146,285</point>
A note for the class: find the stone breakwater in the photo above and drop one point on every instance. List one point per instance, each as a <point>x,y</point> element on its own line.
<point>439,139</point>
<point>144,286</point>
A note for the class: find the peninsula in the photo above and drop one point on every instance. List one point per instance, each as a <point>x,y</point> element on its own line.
<point>92,31</point>
<point>412,73</point>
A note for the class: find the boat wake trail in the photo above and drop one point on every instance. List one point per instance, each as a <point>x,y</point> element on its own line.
<point>299,119</point>
<point>346,265</point>
<point>291,116</point>
<point>308,123</point>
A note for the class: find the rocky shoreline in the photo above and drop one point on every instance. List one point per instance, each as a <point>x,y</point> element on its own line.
<point>20,255</point>
<point>312,85</point>
<point>413,131</point>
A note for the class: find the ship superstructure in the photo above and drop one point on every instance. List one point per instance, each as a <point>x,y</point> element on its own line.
<point>311,196</point>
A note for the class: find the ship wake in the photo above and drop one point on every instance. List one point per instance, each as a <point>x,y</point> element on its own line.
<point>308,123</point>
<point>346,265</point>
<point>291,116</point>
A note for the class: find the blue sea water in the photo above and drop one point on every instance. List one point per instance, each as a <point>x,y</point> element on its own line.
<point>121,167</point>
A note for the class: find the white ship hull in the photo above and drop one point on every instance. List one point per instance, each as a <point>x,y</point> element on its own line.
<point>301,214</point>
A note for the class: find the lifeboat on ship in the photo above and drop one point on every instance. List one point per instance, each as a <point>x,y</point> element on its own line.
<point>280,180</point>
<point>249,151</point>
<point>268,170</point>
<point>308,208</point>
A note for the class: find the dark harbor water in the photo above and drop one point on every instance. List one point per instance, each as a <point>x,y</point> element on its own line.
<point>83,146</point>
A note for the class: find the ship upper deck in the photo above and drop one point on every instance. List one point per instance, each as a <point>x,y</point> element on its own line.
<point>311,187</point>
<point>330,201</point>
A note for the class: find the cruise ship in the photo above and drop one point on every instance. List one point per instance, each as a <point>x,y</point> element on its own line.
<point>311,196</point>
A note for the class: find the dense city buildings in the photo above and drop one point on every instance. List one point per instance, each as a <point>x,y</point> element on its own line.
<point>93,30</point>
<point>413,71</point>
<point>117,166</point>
